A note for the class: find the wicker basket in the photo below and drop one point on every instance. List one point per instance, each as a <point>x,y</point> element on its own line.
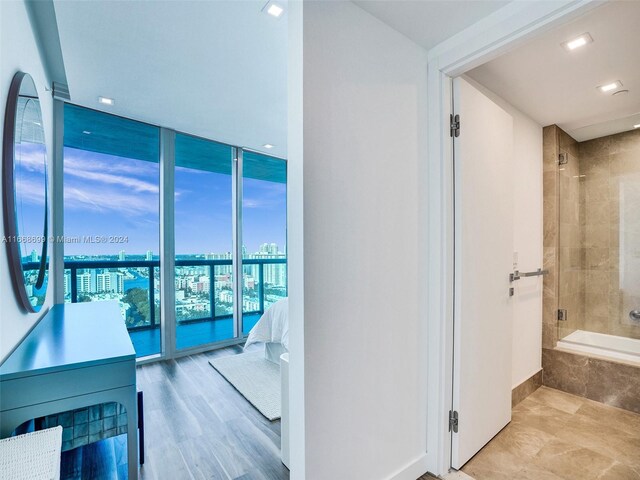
<point>32,456</point>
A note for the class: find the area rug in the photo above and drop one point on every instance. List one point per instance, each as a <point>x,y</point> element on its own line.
<point>257,379</point>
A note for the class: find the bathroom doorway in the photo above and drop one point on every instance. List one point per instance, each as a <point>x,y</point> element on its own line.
<point>558,29</point>
<point>574,96</point>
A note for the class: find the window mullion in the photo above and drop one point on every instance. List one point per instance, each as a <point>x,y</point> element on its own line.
<point>237,242</point>
<point>167,243</point>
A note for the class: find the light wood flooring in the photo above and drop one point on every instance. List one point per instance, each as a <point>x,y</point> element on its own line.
<point>197,426</point>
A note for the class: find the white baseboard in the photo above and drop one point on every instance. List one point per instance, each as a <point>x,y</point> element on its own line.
<point>413,470</point>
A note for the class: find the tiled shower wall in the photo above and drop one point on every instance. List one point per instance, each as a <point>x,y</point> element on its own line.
<point>611,232</point>
<point>592,252</point>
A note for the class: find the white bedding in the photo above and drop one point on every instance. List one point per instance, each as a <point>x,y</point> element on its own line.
<point>273,326</point>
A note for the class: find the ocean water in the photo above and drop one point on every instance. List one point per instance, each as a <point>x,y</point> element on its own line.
<point>137,282</point>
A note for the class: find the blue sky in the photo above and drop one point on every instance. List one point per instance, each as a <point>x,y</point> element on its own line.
<point>107,195</point>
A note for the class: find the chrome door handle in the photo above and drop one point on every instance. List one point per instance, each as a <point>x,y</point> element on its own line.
<point>517,275</point>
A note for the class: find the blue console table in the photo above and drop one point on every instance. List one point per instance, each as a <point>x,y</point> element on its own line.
<point>78,355</point>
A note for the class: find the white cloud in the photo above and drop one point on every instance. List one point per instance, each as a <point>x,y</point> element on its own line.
<point>108,169</point>
<point>104,200</point>
<point>129,182</point>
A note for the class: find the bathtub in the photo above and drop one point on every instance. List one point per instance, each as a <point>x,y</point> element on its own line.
<point>602,345</point>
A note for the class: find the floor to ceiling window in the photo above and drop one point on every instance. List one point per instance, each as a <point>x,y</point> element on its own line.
<point>264,235</point>
<point>225,200</point>
<point>112,218</point>
<point>203,241</point>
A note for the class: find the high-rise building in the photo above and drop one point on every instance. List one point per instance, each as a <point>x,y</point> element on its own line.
<point>117,282</point>
<point>122,256</point>
<point>274,274</point>
<point>84,282</point>
<point>109,282</point>
<point>67,284</point>
<point>103,282</point>
<point>34,256</point>
<point>221,269</point>
<point>149,255</point>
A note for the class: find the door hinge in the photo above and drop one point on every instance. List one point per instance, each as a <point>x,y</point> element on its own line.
<point>453,421</point>
<point>455,125</point>
<point>563,159</point>
<point>562,315</point>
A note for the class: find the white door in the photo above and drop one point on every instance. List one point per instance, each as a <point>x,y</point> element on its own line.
<point>483,261</point>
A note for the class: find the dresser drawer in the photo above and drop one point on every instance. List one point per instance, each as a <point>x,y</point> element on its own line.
<point>48,387</point>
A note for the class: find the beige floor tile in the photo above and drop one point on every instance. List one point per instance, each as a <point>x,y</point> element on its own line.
<point>559,400</point>
<point>488,471</point>
<point>572,462</point>
<point>520,440</point>
<point>540,416</point>
<point>512,448</point>
<point>534,472</point>
<point>615,417</point>
<point>557,436</point>
<point>491,459</point>
<point>597,435</point>
<point>619,471</point>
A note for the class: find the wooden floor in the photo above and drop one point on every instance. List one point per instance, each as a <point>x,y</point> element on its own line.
<point>197,426</point>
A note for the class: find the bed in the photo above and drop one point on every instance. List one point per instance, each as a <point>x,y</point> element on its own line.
<point>273,330</point>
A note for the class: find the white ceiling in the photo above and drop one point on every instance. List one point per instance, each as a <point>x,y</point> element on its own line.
<point>552,85</point>
<point>429,22</point>
<point>216,69</point>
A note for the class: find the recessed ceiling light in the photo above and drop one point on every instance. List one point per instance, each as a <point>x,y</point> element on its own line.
<point>610,87</point>
<point>578,42</point>
<point>268,145</point>
<point>106,100</point>
<point>86,132</point>
<point>273,9</point>
<point>637,125</point>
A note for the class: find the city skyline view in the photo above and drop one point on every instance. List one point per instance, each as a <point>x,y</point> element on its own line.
<point>111,229</point>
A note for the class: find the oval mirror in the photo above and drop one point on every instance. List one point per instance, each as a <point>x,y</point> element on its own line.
<point>25,193</point>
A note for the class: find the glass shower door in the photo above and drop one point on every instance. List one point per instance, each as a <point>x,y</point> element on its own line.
<point>599,240</point>
<point>571,275</point>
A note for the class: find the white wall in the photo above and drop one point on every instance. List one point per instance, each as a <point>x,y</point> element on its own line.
<point>18,51</point>
<point>527,200</point>
<point>364,137</point>
<point>295,239</point>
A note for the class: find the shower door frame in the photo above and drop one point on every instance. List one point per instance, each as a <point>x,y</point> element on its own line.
<point>491,37</point>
